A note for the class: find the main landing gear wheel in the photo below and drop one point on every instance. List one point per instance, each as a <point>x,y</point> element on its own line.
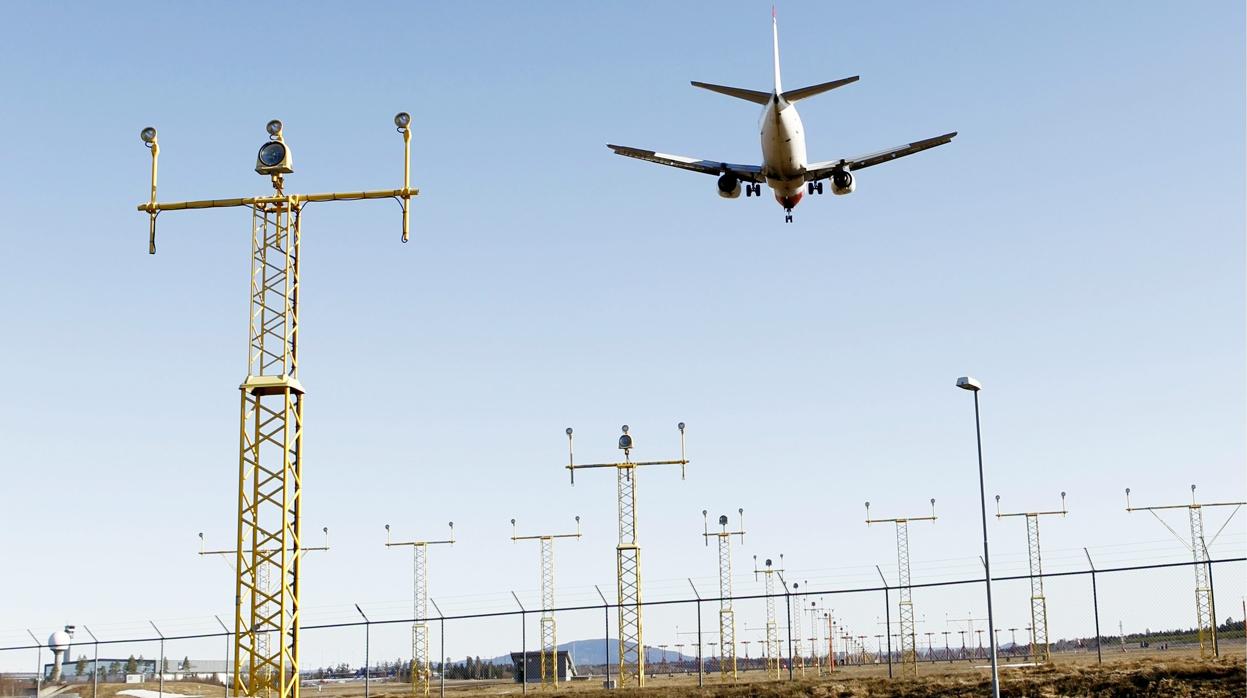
<point>814,188</point>
<point>753,190</point>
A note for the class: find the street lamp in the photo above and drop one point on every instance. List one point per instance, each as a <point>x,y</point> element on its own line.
<point>971,384</point>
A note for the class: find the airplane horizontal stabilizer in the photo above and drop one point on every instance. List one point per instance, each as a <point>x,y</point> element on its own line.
<point>803,92</point>
<point>738,92</point>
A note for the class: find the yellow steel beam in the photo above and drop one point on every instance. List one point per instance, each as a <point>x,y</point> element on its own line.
<point>295,199</point>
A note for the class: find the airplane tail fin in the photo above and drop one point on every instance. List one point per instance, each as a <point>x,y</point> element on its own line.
<point>775,39</point>
<point>803,92</point>
<point>738,92</point>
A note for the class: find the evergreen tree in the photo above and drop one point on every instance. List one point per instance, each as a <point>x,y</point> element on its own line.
<point>81,666</point>
<point>186,663</point>
<point>132,666</point>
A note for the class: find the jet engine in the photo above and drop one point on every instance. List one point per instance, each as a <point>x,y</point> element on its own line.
<point>842,183</point>
<point>729,186</point>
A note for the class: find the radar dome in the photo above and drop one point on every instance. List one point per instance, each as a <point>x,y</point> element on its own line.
<point>59,640</point>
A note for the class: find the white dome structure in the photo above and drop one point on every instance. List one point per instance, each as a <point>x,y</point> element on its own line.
<point>59,641</point>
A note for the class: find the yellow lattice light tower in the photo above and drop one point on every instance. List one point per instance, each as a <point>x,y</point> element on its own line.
<point>768,573</point>
<point>628,553</point>
<point>549,636</point>
<point>1040,650</point>
<point>421,670</point>
<point>905,604</point>
<point>1205,603</point>
<point>797,658</point>
<point>727,618</point>
<point>820,621</point>
<point>270,464</point>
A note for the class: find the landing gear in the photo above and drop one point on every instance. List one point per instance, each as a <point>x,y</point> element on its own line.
<point>753,190</point>
<point>814,188</point>
<point>787,215</point>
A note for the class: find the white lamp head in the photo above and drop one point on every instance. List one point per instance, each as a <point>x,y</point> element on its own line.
<point>969,383</point>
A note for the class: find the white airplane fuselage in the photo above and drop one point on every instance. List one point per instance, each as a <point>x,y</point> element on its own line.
<point>783,151</point>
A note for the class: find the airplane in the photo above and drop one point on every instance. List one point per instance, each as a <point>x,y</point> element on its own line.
<point>784,167</point>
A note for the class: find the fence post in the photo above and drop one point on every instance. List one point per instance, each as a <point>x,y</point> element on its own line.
<point>887,614</point>
<point>787,616</point>
<point>1212,600</point>
<point>95,666</point>
<point>160,663</point>
<point>524,646</point>
<point>606,636</point>
<point>367,649</point>
<point>225,673</point>
<point>441,646</point>
<point>701,663</point>
<point>38,663</point>
<point>1095,602</point>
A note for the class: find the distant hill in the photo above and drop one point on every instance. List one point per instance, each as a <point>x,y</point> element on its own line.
<point>587,652</point>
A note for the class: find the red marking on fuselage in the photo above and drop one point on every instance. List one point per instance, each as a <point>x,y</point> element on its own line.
<point>789,201</point>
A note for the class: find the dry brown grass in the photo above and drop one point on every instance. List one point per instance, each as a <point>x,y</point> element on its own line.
<point>1147,677</point>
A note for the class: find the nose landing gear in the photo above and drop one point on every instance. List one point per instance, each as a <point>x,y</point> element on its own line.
<point>787,215</point>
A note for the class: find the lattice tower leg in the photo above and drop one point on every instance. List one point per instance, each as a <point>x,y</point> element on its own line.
<point>628,569</point>
<point>798,650</point>
<point>727,617</point>
<point>1040,649</point>
<point>549,636</point>
<point>421,672</point>
<point>270,465</point>
<point>1206,624</point>
<point>772,629</point>
<point>905,603</point>
<point>831,645</point>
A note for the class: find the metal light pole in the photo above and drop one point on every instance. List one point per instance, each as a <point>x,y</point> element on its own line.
<point>968,383</point>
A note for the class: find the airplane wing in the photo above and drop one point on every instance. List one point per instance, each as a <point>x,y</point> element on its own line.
<point>822,170</point>
<point>746,173</point>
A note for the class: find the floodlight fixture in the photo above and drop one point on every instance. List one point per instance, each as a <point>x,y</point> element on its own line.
<point>969,383</point>
<point>402,120</point>
<point>148,135</point>
<point>274,128</point>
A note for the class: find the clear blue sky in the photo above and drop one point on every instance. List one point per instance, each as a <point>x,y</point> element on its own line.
<point>1079,248</point>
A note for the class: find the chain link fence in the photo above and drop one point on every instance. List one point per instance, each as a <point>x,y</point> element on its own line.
<point>1111,614</point>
